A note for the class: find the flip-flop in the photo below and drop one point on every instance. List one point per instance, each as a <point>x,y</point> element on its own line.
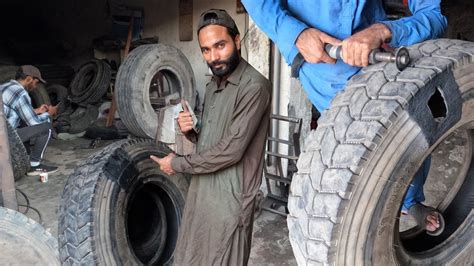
<point>420,212</point>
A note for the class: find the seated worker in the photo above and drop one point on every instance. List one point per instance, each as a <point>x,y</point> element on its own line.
<point>19,111</point>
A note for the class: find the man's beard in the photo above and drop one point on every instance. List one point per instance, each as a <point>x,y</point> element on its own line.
<point>227,66</point>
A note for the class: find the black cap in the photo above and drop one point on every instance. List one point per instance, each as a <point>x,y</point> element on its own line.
<point>217,17</point>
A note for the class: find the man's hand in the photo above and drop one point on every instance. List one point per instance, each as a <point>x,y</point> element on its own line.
<point>165,163</point>
<point>311,42</point>
<point>43,108</point>
<point>185,119</point>
<point>356,49</point>
<point>52,110</point>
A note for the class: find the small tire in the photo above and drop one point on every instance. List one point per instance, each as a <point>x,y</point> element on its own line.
<point>346,198</point>
<point>134,79</point>
<point>82,118</point>
<point>91,82</point>
<point>120,209</point>
<point>18,154</point>
<point>58,94</point>
<point>24,241</point>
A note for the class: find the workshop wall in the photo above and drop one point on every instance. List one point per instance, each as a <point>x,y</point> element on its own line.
<point>55,31</point>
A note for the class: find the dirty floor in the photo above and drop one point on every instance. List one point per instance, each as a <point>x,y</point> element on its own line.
<point>271,245</point>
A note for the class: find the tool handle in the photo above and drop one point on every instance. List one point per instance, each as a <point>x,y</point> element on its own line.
<point>401,58</point>
<point>334,51</point>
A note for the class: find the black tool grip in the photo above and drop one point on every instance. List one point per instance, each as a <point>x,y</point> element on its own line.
<point>401,58</point>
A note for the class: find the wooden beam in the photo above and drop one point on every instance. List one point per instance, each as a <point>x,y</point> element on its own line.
<point>185,20</point>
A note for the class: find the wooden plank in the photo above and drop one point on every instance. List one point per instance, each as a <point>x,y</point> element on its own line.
<point>113,105</point>
<point>185,20</point>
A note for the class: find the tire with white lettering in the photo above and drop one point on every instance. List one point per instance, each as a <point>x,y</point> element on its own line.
<point>118,208</point>
<point>24,241</point>
<point>346,198</point>
<point>18,154</point>
<point>149,75</point>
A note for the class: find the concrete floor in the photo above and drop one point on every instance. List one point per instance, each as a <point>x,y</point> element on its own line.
<point>271,245</point>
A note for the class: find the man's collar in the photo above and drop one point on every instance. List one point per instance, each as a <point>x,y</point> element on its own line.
<point>234,78</point>
<point>236,75</point>
<point>17,82</point>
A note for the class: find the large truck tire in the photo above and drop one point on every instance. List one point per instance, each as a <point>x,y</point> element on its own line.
<point>24,241</point>
<point>139,74</point>
<point>120,209</point>
<point>91,82</point>
<point>18,154</point>
<point>346,198</point>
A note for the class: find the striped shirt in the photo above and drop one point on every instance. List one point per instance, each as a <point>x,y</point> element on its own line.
<point>17,105</point>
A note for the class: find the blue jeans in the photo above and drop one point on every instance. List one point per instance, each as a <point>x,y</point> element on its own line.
<point>415,190</point>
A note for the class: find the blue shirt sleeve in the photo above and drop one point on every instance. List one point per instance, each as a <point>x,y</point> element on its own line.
<point>427,22</point>
<point>27,114</point>
<point>282,28</point>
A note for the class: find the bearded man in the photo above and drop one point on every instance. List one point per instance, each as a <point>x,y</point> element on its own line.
<point>227,168</point>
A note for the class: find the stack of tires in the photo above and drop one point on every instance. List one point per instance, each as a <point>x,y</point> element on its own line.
<point>118,208</point>
<point>86,92</point>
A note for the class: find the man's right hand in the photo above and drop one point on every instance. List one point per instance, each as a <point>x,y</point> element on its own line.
<point>185,119</point>
<point>311,42</point>
<point>43,108</point>
<point>53,110</point>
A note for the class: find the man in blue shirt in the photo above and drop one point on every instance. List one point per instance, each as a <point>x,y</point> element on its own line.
<point>304,26</point>
<point>18,109</point>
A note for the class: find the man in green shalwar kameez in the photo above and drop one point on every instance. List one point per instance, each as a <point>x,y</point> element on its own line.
<point>226,170</point>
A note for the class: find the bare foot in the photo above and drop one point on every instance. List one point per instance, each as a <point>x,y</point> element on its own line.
<point>432,222</point>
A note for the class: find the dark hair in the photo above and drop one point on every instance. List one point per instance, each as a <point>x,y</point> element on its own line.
<point>213,16</point>
<point>19,75</point>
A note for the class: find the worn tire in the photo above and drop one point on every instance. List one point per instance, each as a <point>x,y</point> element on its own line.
<point>82,118</point>
<point>58,94</point>
<point>91,82</point>
<point>133,84</point>
<point>24,241</point>
<point>356,166</point>
<point>18,154</point>
<point>39,96</point>
<point>120,209</point>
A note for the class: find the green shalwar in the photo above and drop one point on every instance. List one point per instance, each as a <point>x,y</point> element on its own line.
<point>226,170</point>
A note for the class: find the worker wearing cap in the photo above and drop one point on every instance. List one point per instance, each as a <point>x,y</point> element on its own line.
<point>19,111</point>
<point>216,227</point>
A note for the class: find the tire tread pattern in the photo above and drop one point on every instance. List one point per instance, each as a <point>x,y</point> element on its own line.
<point>347,133</point>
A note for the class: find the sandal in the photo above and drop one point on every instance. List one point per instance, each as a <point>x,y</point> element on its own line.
<point>420,212</point>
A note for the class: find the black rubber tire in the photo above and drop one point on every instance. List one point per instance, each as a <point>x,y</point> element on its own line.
<point>82,118</point>
<point>91,82</point>
<point>18,154</point>
<point>58,94</point>
<point>102,132</point>
<point>24,241</point>
<point>39,96</point>
<point>356,166</point>
<point>112,208</point>
<point>133,82</point>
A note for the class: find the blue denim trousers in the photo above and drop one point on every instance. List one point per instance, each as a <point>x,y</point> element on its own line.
<point>415,190</point>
